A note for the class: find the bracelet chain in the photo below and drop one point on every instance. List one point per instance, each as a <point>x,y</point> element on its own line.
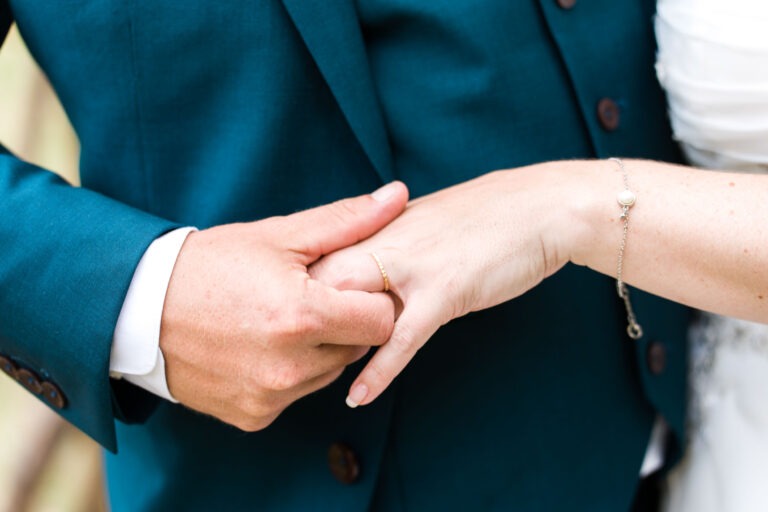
<point>626,200</point>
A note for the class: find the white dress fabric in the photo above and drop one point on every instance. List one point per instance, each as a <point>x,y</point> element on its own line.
<point>713,63</point>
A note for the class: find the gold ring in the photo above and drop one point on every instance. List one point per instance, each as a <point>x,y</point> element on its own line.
<point>383,271</point>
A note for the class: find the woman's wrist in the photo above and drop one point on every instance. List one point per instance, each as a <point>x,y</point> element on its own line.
<point>583,226</point>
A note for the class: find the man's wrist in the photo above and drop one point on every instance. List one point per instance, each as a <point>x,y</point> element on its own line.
<point>136,354</point>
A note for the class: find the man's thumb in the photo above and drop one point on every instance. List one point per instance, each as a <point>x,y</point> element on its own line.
<point>343,223</point>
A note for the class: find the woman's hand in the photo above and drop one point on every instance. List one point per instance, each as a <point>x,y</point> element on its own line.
<point>462,249</point>
<point>693,239</point>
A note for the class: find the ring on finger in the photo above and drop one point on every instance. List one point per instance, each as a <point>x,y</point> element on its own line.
<point>384,275</point>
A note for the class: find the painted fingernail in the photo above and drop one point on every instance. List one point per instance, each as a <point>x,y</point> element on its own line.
<point>357,395</point>
<point>384,192</point>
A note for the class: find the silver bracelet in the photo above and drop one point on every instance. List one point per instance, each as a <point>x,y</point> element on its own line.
<point>626,199</point>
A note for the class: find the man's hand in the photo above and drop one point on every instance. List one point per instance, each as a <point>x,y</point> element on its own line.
<point>246,331</point>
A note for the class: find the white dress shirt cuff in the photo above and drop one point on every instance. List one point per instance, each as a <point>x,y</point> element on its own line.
<point>136,354</point>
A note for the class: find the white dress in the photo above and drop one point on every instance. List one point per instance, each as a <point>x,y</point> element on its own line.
<point>713,63</point>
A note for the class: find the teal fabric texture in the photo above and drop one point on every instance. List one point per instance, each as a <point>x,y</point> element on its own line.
<point>202,113</point>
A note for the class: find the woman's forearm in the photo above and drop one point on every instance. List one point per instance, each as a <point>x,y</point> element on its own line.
<point>695,236</point>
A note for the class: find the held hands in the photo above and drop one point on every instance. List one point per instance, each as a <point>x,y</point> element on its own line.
<point>258,315</point>
<point>246,330</point>
<point>462,249</point>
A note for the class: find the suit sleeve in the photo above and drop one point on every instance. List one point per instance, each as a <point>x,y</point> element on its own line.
<point>67,256</point>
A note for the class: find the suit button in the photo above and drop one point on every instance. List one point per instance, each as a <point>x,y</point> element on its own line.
<point>566,4</point>
<point>53,395</point>
<point>608,114</point>
<point>29,380</point>
<point>343,463</point>
<point>7,366</point>
<point>656,357</point>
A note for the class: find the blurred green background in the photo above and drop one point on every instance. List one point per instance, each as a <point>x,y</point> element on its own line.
<point>45,464</point>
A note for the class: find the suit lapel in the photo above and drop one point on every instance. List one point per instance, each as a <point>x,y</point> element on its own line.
<point>332,34</point>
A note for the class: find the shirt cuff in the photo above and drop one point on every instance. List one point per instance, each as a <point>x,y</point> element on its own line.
<point>136,354</point>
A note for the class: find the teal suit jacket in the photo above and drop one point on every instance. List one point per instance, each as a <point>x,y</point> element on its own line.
<point>204,113</point>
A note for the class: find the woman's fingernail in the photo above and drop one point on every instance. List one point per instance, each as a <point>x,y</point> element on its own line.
<point>385,192</point>
<point>357,395</point>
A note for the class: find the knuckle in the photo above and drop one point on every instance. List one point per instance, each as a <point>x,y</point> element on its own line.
<point>376,324</point>
<point>403,341</point>
<point>300,321</point>
<point>327,379</point>
<point>254,424</point>
<point>377,376</point>
<point>258,413</point>
<point>245,419</point>
<point>284,378</point>
<point>385,329</point>
<point>254,405</point>
<point>338,272</point>
<point>257,410</point>
<point>343,210</point>
<point>292,323</point>
<point>354,354</point>
<point>249,425</point>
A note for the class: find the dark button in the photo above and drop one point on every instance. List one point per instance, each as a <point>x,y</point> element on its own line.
<point>566,4</point>
<point>343,463</point>
<point>608,114</point>
<point>53,395</point>
<point>29,380</point>
<point>656,357</point>
<point>7,366</point>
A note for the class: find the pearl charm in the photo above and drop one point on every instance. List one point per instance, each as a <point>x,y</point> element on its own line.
<point>626,198</point>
